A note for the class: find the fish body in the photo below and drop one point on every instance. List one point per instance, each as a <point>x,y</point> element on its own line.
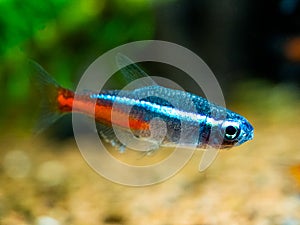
<point>179,115</point>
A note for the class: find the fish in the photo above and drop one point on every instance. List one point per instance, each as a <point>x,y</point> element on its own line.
<point>154,114</point>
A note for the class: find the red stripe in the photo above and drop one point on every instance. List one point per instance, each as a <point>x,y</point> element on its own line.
<point>101,113</point>
<point>65,99</point>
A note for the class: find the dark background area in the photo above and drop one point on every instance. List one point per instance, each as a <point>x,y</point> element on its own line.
<point>238,39</point>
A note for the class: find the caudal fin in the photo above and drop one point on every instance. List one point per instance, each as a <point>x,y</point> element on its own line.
<point>49,89</point>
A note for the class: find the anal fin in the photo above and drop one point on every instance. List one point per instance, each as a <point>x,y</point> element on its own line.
<point>108,135</point>
<point>122,139</point>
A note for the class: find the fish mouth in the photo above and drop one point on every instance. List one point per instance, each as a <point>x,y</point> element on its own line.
<point>248,135</point>
<point>250,132</point>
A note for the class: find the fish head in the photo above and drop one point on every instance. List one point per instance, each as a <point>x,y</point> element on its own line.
<point>236,131</point>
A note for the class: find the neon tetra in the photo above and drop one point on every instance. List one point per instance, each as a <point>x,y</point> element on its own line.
<point>205,124</point>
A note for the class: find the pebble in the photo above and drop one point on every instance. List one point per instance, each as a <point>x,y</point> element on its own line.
<point>46,220</point>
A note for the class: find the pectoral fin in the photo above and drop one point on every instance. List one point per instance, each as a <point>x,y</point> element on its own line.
<point>208,157</point>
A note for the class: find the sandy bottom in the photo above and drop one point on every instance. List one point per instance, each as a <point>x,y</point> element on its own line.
<point>49,183</point>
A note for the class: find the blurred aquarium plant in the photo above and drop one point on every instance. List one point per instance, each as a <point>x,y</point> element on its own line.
<point>64,36</point>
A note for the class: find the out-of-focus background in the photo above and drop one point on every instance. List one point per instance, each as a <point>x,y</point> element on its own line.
<point>253,47</point>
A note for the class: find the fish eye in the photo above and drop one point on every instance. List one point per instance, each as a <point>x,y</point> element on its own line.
<point>232,131</point>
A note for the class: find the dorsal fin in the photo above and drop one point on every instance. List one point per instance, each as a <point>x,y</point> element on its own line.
<point>132,71</point>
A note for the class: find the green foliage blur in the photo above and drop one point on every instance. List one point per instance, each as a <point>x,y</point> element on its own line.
<point>64,36</point>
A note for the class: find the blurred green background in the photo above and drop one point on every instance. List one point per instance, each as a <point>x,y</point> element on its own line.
<point>253,47</point>
<point>64,37</point>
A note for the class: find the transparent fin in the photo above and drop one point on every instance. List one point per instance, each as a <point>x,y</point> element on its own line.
<point>48,88</point>
<point>41,77</point>
<point>109,136</point>
<point>122,139</point>
<point>208,157</point>
<point>46,118</point>
<point>132,72</point>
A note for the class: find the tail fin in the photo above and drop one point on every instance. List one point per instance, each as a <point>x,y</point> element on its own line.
<point>49,90</point>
